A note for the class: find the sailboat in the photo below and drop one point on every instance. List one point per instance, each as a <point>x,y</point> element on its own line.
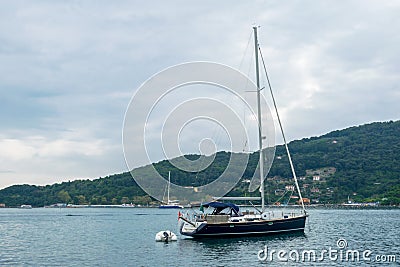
<point>226,219</point>
<point>170,204</point>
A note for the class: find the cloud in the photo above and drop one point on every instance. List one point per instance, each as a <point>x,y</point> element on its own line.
<point>68,70</point>
<point>40,160</point>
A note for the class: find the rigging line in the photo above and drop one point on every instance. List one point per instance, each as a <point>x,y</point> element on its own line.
<point>283,135</point>
<point>198,171</point>
<point>246,145</point>
<point>268,198</point>
<point>249,70</point>
<point>250,63</point>
<point>245,51</point>
<point>217,137</point>
<point>291,194</point>
<point>283,195</point>
<point>244,133</point>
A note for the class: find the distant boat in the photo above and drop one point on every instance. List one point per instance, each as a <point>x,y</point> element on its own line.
<point>57,205</point>
<point>25,207</point>
<point>351,203</point>
<point>170,204</point>
<point>226,219</point>
<point>126,205</point>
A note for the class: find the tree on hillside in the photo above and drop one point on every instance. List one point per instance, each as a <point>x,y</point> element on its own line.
<point>64,196</point>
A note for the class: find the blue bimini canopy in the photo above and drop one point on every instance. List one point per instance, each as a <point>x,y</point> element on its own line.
<point>219,206</point>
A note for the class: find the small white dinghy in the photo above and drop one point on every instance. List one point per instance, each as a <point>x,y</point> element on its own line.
<point>166,236</point>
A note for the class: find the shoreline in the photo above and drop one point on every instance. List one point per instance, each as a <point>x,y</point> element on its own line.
<point>312,206</point>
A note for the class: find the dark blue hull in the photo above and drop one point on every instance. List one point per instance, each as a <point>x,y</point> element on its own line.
<point>250,228</point>
<point>170,207</point>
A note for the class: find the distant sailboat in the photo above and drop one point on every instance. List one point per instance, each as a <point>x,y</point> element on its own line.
<point>227,220</point>
<point>25,206</point>
<point>170,204</point>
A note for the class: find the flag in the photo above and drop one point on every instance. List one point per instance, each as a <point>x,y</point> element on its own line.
<point>201,208</point>
<point>179,215</point>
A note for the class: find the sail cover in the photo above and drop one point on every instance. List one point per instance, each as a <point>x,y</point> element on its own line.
<point>220,205</point>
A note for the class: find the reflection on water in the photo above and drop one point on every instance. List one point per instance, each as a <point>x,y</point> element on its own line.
<point>244,248</point>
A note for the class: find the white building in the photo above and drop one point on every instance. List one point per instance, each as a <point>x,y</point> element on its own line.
<point>289,188</point>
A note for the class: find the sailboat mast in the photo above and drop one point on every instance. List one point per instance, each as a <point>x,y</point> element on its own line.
<point>169,184</point>
<point>261,160</point>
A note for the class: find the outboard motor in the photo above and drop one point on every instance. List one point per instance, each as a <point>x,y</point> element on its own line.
<point>166,236</point>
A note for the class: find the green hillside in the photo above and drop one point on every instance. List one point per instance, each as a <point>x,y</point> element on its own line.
<point>366,158</point>
<point>362,163</point>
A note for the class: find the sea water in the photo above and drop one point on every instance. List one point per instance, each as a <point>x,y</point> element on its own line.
<point>125,237</point>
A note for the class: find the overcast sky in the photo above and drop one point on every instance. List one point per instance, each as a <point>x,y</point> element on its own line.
<point>68,70</point>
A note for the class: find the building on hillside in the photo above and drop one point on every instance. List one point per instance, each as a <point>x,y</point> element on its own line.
<point>289,188</point>
<point>314,190</point>
<point>316,178</point>
<point>306,201</point>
